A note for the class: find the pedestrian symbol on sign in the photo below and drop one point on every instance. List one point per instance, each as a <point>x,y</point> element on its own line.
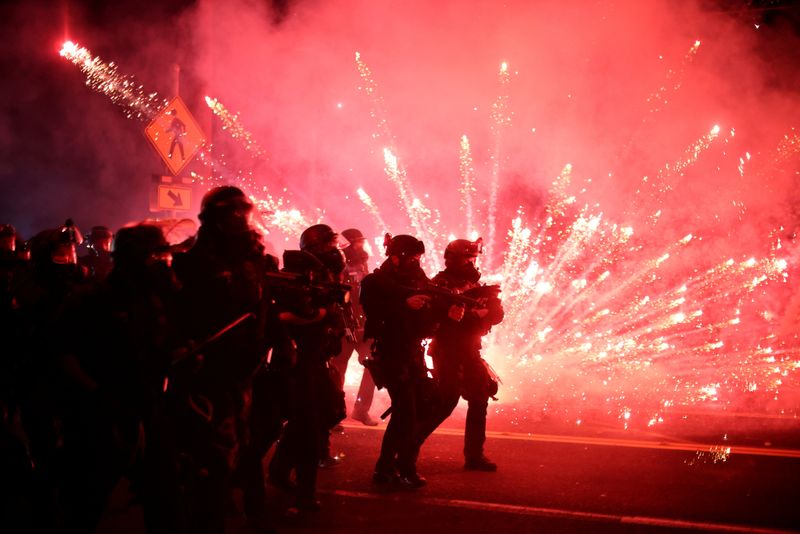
<point>178,130</point>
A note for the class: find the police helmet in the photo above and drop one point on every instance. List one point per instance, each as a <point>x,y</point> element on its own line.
<point>463,248</point>
<point>403,245</point>
<point>352,235</point>
<point>47,242</point>
<point>136,244</point>
<point>7,230</point>
<point>221,200</point>
<point>315,238</point>
<point>100,232</point>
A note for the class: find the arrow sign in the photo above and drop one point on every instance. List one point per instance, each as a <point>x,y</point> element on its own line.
<point>174,197</point>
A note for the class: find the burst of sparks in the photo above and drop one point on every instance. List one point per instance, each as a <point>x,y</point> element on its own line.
<point>137,103</point>
<point>600,317</point>
<point>373,209</point>
<point>586,314</point>
<point>467,189</point>
<point>674,79</point>
<point>123,90</point>
<point>419,216</point>
<point>653,189</point>
<point>501,120</point>
<point>377,108</point>
<point>232,124</point>
<point>599,314</point>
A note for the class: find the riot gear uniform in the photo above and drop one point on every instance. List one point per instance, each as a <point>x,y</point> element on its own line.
<point>458,366</point>
<point>355,271</point>
<point>313,321</point>
<point>399,320</point>
<point>222,279</point>
<point>114,376</point>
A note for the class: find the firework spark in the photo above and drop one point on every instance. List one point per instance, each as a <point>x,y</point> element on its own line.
<point>270,211</point>
<point>467,190</point>
<point>501,120</point>
<point>674,79</point>
<point>233,125</point>
<point>653,190</point>
<point>592,311</point>
<point>121,89</point>
<point>373,209</point>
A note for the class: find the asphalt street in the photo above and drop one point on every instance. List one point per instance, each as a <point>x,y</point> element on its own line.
<point>686,477</point>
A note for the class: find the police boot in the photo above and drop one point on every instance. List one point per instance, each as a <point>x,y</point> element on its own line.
<point>412,481</point>
<point>480,463</point>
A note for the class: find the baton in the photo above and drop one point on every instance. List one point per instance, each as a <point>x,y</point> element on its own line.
<point>199,348</point>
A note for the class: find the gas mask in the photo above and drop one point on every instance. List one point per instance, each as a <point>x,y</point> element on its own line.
<point>332,259</point>
<point>356,256</point>
<point>410,269</point>
<point>467,272</point>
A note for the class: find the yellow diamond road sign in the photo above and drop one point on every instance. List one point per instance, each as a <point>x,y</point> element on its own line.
<point>175,135</point>
<point>174,197</point>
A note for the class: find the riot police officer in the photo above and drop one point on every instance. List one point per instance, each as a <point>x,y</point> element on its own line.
<point>458,366</point>
<point>40,293</point>
<point>399,318</point>
<point>221,278</point>
<point>98,260</point>
<point>356,269</point>
<point>113,375</point>
<point>314,321</point>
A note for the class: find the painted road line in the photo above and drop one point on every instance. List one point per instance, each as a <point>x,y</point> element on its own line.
<point>571,514</point>
<point>717,448</point>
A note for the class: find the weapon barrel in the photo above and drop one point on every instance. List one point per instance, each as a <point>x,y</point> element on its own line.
<point>447,295</point>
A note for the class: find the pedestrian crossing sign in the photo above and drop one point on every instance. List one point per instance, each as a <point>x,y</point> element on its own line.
<point>175,135</point>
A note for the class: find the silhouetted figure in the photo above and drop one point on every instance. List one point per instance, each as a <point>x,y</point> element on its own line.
<point>314,321</point>
<point>456,351</point>
<point>269,409</point>
<point>356,269</point>
<point>221,277</point>
<point>40,293</point>
<point>98,260</point>
<point>10,270</point>
<point>16,473</point>
<point>399,319</point>
<point>114,373</point>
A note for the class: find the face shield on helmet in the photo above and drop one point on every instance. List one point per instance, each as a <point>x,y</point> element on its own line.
<point>8,237</point>
<point>318,238</point>
<point>64,253</point>
<point>100,239</point>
